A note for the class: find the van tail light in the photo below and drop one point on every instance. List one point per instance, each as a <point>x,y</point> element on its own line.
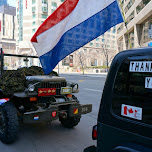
<point>33,99</point>
<point>94,132</point>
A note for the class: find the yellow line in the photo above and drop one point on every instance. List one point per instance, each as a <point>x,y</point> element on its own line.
<point>80,80</point>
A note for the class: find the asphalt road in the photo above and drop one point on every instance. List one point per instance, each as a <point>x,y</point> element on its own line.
<point>53,137</point>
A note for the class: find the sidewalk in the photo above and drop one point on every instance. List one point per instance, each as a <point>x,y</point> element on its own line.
<point>85,74</point>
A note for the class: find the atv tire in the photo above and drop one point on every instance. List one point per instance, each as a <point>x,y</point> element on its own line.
<point>9,125</point>
<point>70,122</point>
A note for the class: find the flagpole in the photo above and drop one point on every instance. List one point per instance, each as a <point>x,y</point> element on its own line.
<point>58,68</point>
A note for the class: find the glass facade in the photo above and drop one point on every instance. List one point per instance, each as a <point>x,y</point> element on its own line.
<point>130,3</point>
<point>130,40</point>
<point>20,20</point>
<point>144,30</point>
<point>130,17</point>
<point>141,5</point>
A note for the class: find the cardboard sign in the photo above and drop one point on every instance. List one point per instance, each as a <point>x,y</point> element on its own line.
<point>131,112</point>
<point>140,66</point>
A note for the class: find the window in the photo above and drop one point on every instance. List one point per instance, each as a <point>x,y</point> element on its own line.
<point>97,44</point>
<point>33,9</point>
<point>33,30</point>
<point>103,40</point>
<point>97,39</point>
<point>44,1</point>
<point>65,61</point>
<point>129,89</point>
<point>131,37</point>
<point>44,9</point>
<point>62,0</point>
<point>131,2</point>
<point>130,17</point>
<point>94,62</point>
<point>141,5</point>
<point>44,16</point>
<point>33,15</point>
<point>54,4</point>
<point>52,10</point>
<point>120,29</point>
<point>91,44</point>
<point>33,23</point>
<point>144,31</point>
<point>33,1</point>
<point>114,31</point>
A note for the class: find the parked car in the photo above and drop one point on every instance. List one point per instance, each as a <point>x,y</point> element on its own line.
<point>125,116</point>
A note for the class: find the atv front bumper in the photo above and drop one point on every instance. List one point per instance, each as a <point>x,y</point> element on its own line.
<point>53,112</point>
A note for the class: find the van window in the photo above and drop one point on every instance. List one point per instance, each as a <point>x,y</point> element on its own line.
<point>129,89</point>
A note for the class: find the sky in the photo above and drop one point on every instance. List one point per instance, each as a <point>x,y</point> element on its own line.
<point>12,2</point>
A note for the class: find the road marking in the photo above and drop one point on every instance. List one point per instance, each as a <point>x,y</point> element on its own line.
<point>92,90</point>
<point>80,80</point>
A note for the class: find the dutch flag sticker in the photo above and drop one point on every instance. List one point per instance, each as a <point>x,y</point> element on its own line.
<point>36,117</point>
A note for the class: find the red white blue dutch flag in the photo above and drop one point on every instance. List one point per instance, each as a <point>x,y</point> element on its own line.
<point>71,26</point>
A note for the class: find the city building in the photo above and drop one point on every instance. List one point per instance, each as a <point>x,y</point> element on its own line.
<point>3,2</point>
<point>7,32</point>
<point>136,31</point>
<point>30,15</point>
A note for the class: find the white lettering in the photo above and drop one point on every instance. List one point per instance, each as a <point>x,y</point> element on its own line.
<point>148,82</point>
<point>140,66</point>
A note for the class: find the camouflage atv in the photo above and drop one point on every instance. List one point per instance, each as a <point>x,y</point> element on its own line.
<point>43,98</point>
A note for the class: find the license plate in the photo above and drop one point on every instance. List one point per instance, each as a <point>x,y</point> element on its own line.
<point>66,90</point>
<point>86,108</point>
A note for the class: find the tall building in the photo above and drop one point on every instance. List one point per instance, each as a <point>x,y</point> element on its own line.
<point>135,33</point>
<point>7,29</point>
<point>30,15</point>
<point>3,2</point>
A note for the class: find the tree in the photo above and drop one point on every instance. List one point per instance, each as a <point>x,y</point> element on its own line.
<point>108,54</point>
<point>81,57</point>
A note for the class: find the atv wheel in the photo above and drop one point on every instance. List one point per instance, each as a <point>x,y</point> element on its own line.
<point>70,122</point>
<point>9,126</point>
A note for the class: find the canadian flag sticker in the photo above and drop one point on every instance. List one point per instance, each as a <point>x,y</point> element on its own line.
<point>131,111</point>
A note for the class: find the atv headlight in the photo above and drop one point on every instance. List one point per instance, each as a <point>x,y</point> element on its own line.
<point>31,87</point>
<point>75,88</point>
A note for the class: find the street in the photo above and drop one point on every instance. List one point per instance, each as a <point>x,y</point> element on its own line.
<point>53,137</point>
